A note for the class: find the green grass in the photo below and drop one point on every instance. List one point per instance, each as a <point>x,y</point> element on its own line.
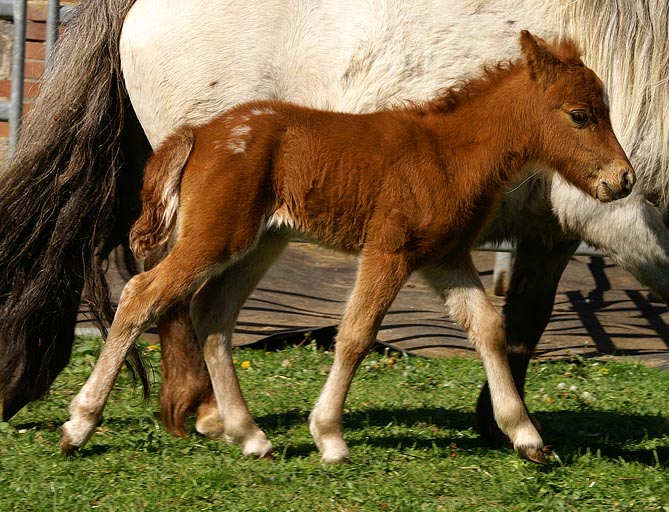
<point>409,423</point>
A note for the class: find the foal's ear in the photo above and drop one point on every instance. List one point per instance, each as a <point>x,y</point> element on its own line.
<point>546,61</point>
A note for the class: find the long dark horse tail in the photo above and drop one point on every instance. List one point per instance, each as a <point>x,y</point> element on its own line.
<point>67,198</point>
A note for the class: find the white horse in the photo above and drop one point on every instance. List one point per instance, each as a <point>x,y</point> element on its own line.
<point>185,62</point>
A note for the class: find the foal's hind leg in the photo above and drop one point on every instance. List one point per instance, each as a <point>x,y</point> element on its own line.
<point>214,310</point>
<point>470,306</point>
<point>186,384</point>
<point>380,277</point>
<point>144,297</point>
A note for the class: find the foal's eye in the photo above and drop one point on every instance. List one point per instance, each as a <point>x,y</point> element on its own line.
<point>579,116</point>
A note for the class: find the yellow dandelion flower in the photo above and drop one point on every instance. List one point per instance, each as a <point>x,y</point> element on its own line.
<point>246,364</point>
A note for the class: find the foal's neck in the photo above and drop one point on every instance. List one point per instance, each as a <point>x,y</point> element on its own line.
<point>491,124</point>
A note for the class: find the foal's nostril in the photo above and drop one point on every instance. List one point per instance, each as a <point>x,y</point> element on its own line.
<point>627,180</point>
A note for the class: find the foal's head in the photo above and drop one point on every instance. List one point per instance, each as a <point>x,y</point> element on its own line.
<point>576,137</point>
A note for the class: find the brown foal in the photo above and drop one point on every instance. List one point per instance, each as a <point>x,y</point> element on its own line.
<point>406,189</point>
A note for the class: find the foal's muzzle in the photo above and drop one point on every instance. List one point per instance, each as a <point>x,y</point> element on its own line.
<point>615,183</point>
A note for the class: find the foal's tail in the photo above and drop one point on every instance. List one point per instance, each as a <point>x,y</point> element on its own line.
<point>67,199</point>
<point>160,193</point>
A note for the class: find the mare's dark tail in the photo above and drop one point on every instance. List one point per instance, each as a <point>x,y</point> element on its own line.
<point>67,198</point>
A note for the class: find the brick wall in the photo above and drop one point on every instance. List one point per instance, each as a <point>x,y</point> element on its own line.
<point>34,61</point>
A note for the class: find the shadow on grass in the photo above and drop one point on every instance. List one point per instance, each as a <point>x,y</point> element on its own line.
<point>570,433</point>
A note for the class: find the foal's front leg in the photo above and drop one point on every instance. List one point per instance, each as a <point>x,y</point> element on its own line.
<point>380,277</point>
<point>529,304</point>
<point>470,306</point>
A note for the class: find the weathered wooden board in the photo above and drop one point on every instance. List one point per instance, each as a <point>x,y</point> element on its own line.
<point>600,309</point>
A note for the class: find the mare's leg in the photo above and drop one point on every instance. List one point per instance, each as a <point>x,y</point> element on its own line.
<point>143,299</point>
<point>529,304</point>
<point>380,277</point>
<point>469,305</point>
<point>214,310</point>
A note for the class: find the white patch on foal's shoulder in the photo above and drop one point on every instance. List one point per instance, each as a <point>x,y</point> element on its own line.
<point>238,138</point>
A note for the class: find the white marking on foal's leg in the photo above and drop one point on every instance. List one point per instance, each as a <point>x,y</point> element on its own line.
<point>325,421</point>
<point>486,329</point>
<point>380,277</point>
<point>80,427</point>
<point>214,311</point>
<point>86,408</point>
<point>237,141</point>
<point>470,306</point>
<point>239,426</point>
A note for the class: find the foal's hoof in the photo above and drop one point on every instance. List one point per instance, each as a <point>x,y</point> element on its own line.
<point>210,426</point>
<point>74,435</point>
<point>258,446</point>
<point>532,454</point>
<point>338,459</point>
<point>254,444</point>
<point>66,446</point>
<point>334,451</point>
